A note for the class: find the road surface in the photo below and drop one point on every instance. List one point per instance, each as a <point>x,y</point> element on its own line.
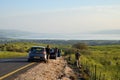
<point>10,67</point>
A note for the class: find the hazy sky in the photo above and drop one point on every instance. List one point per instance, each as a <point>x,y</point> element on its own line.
<point>60,16</point>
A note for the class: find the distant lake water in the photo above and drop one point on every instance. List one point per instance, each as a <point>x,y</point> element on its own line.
<point>72,36</point>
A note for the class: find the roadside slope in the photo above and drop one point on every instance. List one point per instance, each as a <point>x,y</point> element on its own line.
<point>53,70</point>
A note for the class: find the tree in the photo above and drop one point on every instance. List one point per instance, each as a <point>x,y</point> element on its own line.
<point>81,46</point>
<point>70,51</point>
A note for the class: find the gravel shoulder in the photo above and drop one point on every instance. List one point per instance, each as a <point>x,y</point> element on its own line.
<point>53,70</point>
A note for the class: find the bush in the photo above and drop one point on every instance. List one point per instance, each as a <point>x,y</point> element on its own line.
<point>70,51</point>
<point>86,52</point>
<point>81,46</point>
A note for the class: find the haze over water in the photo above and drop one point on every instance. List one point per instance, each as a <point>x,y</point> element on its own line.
<point>70,19</point>
<point>73,36</point>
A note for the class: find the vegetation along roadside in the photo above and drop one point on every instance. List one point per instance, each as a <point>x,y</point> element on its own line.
<point>99,62</point>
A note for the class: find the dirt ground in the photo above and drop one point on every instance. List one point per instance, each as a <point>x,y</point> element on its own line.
<point>53,70</point>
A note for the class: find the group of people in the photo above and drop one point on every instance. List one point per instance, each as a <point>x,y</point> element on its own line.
<point>48,51</point>
<point>56,51</point>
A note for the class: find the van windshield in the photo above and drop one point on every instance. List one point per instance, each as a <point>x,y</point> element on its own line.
<point>37,49</point>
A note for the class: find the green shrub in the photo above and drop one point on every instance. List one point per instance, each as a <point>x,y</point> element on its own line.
<point>80,46</point>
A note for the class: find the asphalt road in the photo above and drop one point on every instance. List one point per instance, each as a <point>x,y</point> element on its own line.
<point>10,65</point>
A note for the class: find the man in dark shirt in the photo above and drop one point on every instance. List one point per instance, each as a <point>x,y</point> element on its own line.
<point>56,51</point>
<point>48,52</point>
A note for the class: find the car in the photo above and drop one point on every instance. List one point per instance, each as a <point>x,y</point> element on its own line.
<point>37,53</point>
<point>53,54</point>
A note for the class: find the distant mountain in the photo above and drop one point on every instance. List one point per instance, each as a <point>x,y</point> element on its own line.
<point>108,32</point>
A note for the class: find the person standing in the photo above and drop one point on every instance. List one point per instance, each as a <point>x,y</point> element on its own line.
<point>59,52</point>
<point>77,57</point>
<point>48,52</point>
<point>56,52</point>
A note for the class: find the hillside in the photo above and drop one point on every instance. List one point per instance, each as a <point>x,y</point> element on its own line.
<point>67,42</point>
<point>53,70</point>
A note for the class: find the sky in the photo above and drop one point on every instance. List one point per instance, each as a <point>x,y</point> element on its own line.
<point>60,16</point>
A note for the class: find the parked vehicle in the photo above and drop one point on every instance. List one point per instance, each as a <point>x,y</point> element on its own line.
<point>53,54</point>
<point>37,53</point>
